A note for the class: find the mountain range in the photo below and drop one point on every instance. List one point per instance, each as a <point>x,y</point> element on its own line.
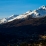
<point>24,27</point>
<point>38,13</point>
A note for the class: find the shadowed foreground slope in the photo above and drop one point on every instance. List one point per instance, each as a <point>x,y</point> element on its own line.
<point>19,31</point>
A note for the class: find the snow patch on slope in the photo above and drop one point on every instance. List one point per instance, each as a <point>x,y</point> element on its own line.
<point>3,20</point>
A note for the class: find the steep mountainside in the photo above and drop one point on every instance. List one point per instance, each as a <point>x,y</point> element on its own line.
<point>24,28</point>
<point>29,25</point>
<point>19,31</point>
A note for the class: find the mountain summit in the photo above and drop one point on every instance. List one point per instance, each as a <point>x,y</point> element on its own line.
<point>38,13</point>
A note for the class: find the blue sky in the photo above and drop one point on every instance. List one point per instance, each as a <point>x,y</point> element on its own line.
<point>10,7</point>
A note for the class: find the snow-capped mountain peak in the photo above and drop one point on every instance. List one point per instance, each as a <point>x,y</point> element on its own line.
<point>3,20</point>
<point>29,11</point>
<point>11,17</point>
<point>42,7</point>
